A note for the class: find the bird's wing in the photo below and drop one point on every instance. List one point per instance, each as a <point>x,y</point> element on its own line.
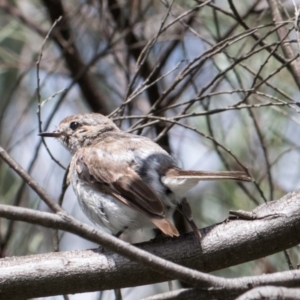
<point>116,178</point>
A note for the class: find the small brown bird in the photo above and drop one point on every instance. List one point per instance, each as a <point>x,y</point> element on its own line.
<point>125,181</point>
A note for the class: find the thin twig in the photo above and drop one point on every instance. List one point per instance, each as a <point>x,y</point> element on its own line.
<point>40,103</point>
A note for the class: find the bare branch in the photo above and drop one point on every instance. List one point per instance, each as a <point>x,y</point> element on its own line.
<point>237,240</point>
<point>29,181</point>
<point>271,292</point>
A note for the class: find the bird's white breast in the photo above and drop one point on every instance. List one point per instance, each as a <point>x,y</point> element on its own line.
<point>139,154</point>
<point>106,211</point>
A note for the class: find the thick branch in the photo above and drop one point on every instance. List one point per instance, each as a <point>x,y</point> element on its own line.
<point>271,292</point>
<point>271,230</point>
<point>263,293</point>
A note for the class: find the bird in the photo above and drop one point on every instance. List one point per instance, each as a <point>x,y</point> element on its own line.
<point>124,182</point>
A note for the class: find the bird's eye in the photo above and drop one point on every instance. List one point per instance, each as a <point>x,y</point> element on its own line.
<point>74,125</point>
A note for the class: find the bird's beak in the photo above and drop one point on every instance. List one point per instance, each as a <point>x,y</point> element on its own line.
<point>55,134</point>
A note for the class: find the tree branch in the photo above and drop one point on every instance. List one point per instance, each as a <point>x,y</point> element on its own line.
<point>271,292</point>
<point>271,230</point>
<point>66,42</point>
<point>30,181</point>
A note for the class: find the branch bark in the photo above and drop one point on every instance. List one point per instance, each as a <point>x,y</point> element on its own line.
<point>271,230</point>
<point>271,292</point>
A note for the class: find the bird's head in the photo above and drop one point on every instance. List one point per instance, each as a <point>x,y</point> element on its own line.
<point>81,130</point>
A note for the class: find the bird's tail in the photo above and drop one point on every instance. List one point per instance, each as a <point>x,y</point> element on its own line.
<point>179,181</point>
<point>165,226</point>
<point>208,175</point>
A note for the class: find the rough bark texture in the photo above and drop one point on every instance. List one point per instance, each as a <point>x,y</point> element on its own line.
<point>222,245</point>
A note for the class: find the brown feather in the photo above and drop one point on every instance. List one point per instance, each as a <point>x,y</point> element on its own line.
<point>132,187</point>
<point>165,226</point>
<point>124,184</point>
<point>160,222</point>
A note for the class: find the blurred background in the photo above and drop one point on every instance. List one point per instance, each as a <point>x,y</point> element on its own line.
<point>210,81</point>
